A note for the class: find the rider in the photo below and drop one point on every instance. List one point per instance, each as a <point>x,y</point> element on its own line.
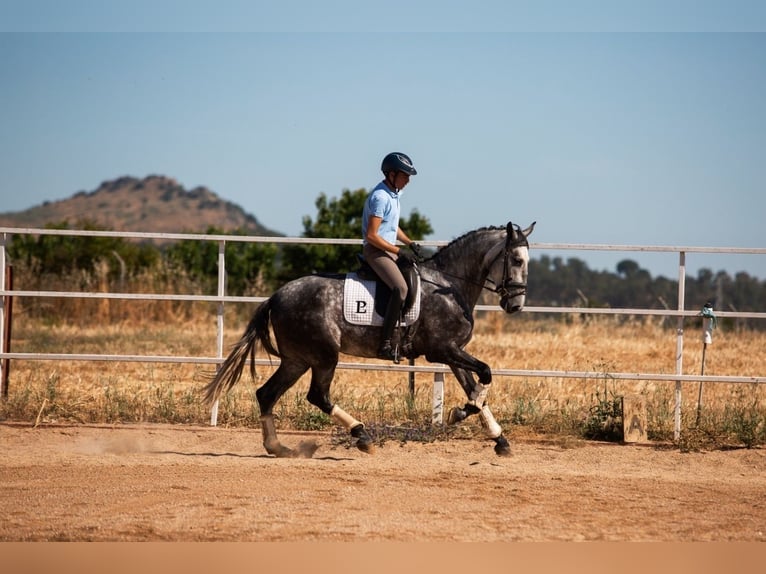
<point>380,231</point>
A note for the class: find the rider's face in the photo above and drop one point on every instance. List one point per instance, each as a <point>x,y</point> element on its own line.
<point>401,179</point>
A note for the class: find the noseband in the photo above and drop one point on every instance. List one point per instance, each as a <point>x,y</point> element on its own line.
<point>507,288</point>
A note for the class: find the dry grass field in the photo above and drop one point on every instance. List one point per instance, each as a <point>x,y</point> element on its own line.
<point>100,392</point>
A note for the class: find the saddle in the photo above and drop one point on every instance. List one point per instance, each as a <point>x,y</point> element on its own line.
<point>383,291</point>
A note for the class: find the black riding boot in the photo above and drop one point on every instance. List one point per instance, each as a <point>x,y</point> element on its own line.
<point>393,311</point>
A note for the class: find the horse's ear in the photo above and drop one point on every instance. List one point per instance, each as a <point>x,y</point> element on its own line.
<point>512,233</point>
<point>528,231</point>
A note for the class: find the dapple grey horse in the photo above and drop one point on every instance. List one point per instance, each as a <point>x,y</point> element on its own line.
<point>309,331</point>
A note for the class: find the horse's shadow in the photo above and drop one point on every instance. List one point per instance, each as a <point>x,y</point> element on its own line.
<point>238,455</point>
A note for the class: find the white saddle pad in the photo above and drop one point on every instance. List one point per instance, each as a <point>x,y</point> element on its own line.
<point>359,303</point>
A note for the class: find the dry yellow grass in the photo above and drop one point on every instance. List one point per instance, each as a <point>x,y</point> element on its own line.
<point>113,392</point>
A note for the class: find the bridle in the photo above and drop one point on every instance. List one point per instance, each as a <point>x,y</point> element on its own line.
<point>507,288</point>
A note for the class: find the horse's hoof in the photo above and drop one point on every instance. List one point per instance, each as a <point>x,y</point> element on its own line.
<point>276,448</point>
<point>282,452</point>
<point>363,439</point>
<point>502,448</point>
<point>365,446</point>
<point>456,415</point>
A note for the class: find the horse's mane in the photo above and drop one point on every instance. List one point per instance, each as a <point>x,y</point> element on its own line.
<point>460,239</point>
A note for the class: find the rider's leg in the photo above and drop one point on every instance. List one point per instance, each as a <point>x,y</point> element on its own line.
<point>393,312</point>
<point>385,266</point>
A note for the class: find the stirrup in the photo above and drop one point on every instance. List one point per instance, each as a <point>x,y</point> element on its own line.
<point>388,352</point>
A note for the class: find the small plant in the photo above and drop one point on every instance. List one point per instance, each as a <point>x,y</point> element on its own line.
<point>311,420</point>
<point>51,387</point>
<point>741,422</point>
<point>164,401</point>
<point>745,421</point>
<point>118,405</point>
<point>525,411</point>
<point>567,419</point>
<point>605,417</point>
<point>695,439</point>
<point>659,410</point>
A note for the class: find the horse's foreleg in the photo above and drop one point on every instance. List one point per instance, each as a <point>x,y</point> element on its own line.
<point>463,365</point>
<point>476,393</point>
<point>457,359</point>
<point>491,426</point>
<point>477,404</point>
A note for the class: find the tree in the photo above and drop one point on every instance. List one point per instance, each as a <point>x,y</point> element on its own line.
<point>627,268</point>
<point>339,218</point>
<point>61,254</point>
<point>246,262</point>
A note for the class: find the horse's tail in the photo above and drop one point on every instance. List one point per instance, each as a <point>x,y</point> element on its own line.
<point>231,369</point>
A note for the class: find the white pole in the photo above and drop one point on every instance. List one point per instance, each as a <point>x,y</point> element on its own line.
<point>708,324</point>
<point>214,414</point>
<point>679,344</point>
<point>3,240</point>
<point>219,318</point>
<point>437,412</point>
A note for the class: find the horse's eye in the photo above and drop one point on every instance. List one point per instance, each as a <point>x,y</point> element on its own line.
<point>518,262</point>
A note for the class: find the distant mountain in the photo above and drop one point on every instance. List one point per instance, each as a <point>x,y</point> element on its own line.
<point>152,204</point>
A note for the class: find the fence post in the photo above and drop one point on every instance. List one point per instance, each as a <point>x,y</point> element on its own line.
<point>412,380</point>
<point>3,363</point>
<point>437,411</point>
<point>679,343</point>
<point>708,324</point>
<point>7,319</point>
<point>219,318</point>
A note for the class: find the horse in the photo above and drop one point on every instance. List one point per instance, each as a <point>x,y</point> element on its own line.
<point>306,316</point>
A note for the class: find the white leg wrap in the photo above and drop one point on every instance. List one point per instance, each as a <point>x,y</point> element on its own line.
<point>342,417</point>
<point>479,396</point>
<point>490,424</point>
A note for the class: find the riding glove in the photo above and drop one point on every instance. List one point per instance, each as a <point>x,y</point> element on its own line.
<point>407,256</point>
<point>417,250</point>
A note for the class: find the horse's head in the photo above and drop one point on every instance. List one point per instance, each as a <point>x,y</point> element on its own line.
<point>512,269</point>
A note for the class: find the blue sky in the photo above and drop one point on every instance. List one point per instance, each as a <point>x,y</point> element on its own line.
<point>610,126</point>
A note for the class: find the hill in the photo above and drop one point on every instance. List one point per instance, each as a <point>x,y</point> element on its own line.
<point>152,204</point>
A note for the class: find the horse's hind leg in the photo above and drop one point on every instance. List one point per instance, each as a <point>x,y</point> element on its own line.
<point>285,377</point>
<point>319,396</point>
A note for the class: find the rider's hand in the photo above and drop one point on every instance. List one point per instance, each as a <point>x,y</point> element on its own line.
<point>407,255</point>
<point>417,250</point>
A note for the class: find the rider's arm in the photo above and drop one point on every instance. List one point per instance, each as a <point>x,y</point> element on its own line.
<point>373,225</point>
<point>402,236</point>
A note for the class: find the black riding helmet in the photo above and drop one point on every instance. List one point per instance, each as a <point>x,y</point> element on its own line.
<point>397,161</point>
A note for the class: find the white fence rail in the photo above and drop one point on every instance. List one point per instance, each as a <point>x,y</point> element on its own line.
<point>221,298</point>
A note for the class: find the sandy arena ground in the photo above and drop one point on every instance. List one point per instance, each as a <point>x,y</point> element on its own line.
<point>188,483</point>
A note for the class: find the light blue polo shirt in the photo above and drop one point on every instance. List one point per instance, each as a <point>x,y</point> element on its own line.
<point>383,203</point>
